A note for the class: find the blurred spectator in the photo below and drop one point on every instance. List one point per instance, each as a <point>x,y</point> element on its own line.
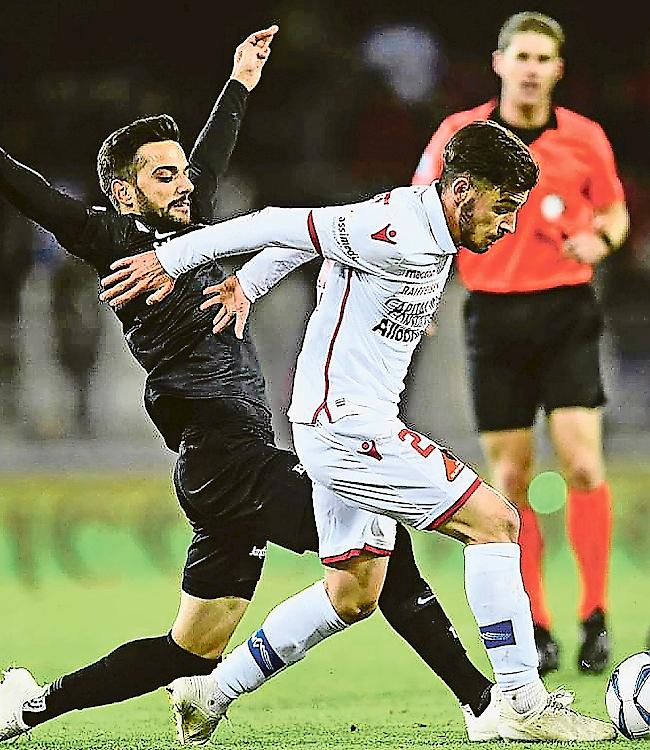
<point>16,260</point>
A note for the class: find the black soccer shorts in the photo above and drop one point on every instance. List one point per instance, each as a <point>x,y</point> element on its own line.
<point>238,492</point>
<point>526,351</point>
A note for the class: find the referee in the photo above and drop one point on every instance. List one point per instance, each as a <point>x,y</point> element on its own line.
<point>532,323</point>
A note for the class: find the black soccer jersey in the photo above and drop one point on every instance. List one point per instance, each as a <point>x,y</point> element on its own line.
<point>172,340</point>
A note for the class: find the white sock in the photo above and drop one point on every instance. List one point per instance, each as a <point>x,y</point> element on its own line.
<point>496,596</point>
<point>289,631</point>
<point>524,698</point>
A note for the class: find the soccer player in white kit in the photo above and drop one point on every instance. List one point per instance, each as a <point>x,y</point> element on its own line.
<point>390,258</point>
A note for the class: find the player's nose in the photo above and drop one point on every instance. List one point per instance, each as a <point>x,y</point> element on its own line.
<point>185,185</point>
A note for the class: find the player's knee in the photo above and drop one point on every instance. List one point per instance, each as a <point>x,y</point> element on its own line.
<point>352,609</point>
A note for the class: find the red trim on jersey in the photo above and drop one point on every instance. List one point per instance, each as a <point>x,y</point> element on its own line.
<point>323,406</point>
<point>460,502</point>
<point>313,236</point>
<point>356,552</point>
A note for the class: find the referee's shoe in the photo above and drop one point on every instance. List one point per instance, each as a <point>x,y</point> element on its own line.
<point>593,655</point>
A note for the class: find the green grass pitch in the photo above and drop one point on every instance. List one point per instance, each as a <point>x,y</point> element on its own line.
<point>363,688</point>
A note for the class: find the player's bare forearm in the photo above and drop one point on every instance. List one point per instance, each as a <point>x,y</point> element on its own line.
<point>233,305</point>
<point>134,276</point>
<point>251,56</point>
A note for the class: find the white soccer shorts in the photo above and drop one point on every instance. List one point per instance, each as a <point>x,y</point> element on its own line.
<point>367,471</point>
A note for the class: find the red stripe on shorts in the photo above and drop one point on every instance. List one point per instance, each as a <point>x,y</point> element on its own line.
<point>459,503</point>
<point>356,552</point>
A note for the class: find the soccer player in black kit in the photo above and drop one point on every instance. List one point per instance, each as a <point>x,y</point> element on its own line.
<point>205,394</point>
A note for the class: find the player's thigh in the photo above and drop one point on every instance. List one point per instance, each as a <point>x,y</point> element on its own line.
<point>570,372</point>
<point>500,360</point>
<point>347,531</point>
<point>487,516</point>
<point>510,455</point>
<point>383,467</point>
<point>576,434</point>
<point>242,478</point>
<point>283,494</point>
<point>204,626</point>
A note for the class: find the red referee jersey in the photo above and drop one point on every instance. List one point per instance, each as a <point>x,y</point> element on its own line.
<point>577,176</point>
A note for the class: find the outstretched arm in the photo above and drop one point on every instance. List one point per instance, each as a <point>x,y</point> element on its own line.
<point>154,272</point>
<point>213,148</point>
<point>369,236</point>
<point>34,197</point>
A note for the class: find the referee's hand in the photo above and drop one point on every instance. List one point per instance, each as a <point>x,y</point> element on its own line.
<point>251,56</point>
<point>134,276</point>
<point>234,305</point>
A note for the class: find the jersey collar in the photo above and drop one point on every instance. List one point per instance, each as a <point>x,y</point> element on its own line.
<point>437,222</point>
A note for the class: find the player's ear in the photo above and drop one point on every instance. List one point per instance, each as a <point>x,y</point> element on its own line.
<point>559,72</point>
<point>123,194</point>
<point>497,57</point>
<point>461,188</point>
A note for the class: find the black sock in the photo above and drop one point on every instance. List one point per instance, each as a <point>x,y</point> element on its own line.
<point>413,610</point>
<point>132,669</point>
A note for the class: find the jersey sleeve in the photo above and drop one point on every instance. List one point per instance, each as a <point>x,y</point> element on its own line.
<point>266,269</point>
<point>211,153</point>
<point>363,236</point>
<point>65,217</point>
<point>605,186</point>
<point>430,164</point>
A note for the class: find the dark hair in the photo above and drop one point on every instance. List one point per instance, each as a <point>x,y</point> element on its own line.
<point>490,154</point>
<point>116,157</point>
<point>529,20</point>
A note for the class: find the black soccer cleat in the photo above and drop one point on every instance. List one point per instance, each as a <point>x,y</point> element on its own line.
<point>593,656</point>
<point>548,652</point>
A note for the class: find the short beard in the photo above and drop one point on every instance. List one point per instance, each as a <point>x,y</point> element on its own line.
<point>158,218</point>
<point>465,226</point>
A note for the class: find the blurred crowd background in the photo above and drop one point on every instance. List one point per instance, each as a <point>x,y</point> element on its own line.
<point>346,105</point>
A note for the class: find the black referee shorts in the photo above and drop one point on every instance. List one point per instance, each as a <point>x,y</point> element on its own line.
<point>526,351</point>
<point>239,491</point>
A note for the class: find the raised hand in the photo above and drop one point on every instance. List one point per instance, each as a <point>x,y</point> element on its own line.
<point>251,56</point>
<point>234,304</point>
<point>134,276</point>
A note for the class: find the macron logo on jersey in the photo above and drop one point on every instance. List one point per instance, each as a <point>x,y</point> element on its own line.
<point>385,235</point>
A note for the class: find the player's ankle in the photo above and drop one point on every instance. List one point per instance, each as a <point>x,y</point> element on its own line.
<point>526,697</point>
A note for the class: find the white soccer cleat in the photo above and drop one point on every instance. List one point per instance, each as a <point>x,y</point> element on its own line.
<point>554,720</point>
<point>17,688</point>
<point>197,707</point>
<point>486,726</point>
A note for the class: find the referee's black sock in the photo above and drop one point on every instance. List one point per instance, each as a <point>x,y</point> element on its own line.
<point>133,669</point>
<point>413,610</point>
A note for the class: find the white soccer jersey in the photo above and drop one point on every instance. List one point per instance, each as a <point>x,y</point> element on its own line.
<point>391,257</point>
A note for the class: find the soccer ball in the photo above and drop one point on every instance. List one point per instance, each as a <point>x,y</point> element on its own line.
<point>628,696</point>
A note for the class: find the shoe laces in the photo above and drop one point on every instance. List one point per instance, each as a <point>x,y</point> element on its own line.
<point>560,700</point>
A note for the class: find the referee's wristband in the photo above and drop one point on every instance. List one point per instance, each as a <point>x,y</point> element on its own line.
<point>606,239</point>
